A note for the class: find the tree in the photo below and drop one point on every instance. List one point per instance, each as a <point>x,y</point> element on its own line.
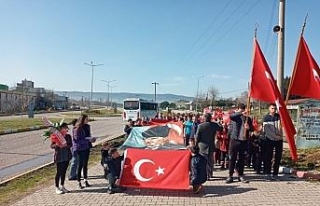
<point>212,93</point>
<point>243,98</point>
<point>172,106</point>
<point>164,104</point>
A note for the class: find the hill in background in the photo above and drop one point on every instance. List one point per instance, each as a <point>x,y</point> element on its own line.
<point>120,96</point>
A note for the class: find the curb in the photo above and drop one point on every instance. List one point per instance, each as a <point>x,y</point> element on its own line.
<point>51,163</point>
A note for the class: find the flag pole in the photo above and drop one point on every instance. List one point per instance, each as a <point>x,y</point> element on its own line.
<point>296,63</point>
<point>248,98</point>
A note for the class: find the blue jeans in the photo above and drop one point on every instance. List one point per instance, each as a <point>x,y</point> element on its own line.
<point>74,165</point>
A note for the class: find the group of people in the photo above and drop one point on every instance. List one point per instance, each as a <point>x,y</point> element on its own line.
<point>77,150</point>
<point>235,144</point>
<point>210,140</point>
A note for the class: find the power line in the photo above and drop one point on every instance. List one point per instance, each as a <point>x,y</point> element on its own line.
<point>235,24</point>
<point>205,32</point>
<point>266,45</point>
<point>218,29</point>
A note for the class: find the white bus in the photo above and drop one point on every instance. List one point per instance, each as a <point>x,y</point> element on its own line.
<point>134,108</point>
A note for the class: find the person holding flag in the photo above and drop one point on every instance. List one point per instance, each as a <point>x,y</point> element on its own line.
<point>241,126</point>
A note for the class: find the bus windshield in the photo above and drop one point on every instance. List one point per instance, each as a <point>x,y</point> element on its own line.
<point>131,105</point>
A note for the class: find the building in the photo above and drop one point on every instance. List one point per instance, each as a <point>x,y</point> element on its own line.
<point>60,102</point>
<point>15,102</point>
<point>25,96</point>
<point>4,87</point>
<point>27,86</point>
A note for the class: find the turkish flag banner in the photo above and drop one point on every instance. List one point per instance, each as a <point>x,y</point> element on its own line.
<point>263,87</point>
<point>305,78</point>
<point>160,169</point>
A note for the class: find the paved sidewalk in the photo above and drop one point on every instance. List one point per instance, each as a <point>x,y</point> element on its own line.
<point>288,191</point>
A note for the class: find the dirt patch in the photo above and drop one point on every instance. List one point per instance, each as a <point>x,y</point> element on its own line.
<point>308,159</point>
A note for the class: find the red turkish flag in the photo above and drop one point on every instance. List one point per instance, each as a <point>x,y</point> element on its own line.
<point>162,169</point>
<point>264,88</point>
<point>305,78</point>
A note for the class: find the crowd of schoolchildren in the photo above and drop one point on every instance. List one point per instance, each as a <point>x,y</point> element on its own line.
<point>259,148</point>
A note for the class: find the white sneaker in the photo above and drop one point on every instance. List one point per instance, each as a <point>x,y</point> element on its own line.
<point>59,191</point>
<point>64,190</point>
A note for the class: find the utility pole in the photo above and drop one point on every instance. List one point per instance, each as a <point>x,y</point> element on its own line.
<point>155,90</point>
<point>92,66</point>
<point>197,99</point>
<point>108,89</point>
<point>111,87</point>
<point>281,37</point>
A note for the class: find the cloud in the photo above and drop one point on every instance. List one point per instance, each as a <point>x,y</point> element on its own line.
<point>216,76</point>
<point>178,78</point>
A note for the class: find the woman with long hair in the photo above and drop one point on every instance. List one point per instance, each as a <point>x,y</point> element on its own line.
<point>81,146</point>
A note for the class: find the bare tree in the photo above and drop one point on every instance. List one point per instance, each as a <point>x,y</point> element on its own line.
<point>212,94</point>
<point>243,98</point>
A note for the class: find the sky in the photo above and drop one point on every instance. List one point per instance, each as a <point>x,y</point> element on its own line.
<point>173,42</point>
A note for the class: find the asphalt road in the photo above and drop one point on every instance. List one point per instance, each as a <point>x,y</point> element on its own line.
<point>21,152</point>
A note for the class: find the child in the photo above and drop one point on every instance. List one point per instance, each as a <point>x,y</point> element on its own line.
<point>62,156</point>
<point>224,146</point>
<point>198,169</point>
<point>104,157</point>
<point>192,142</point>
<point>114,167</point>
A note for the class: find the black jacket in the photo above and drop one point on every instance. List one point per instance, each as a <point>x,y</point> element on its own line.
<point>63,154</point>
<point>127,130</point>
<point>114,166</point>
<point>237,126</point>
<point>198,169</point>
<point>205,136</point>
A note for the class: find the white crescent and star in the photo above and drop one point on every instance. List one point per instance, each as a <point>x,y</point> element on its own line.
<point>136,170</point>
<point>315,74</point>
<point>277,102</point>
<point>268,75</point>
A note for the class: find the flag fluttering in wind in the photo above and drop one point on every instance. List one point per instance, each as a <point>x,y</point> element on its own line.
<point>263,87</point>
<point>305,80</point>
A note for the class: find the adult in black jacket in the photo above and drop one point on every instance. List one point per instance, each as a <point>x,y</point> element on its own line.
<point>240,128</point>
<point>204,139</point>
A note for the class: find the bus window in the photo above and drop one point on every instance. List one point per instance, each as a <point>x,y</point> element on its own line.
<point>131,105</point>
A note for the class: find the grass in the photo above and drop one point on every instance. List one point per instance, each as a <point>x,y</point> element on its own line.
<point>25,122</point>
<point>308,160</point>
<point>98,113</point>
<point>20,187</point>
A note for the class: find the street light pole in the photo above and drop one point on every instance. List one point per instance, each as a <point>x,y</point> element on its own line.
<point>92,66</point>
<point>197,99</point>
<point>108,88</point>
<point>111,94</point>
<point>155,90</point>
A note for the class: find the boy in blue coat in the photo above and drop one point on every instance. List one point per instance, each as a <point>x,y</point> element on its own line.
<point>198,169</point>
